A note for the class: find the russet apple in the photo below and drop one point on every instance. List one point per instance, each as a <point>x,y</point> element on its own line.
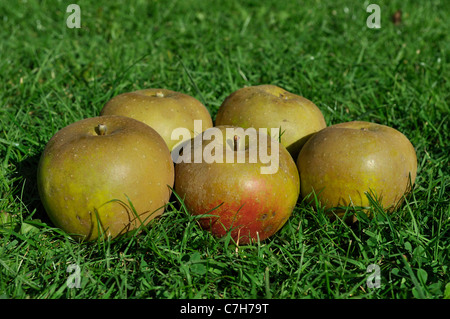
<point>164,110</point>
<point>343,162</point>
<point>270,106</point>
<point>238,195</point>
<point>111,171</point>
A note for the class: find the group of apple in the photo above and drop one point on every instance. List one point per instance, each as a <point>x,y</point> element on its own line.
<point>107,175</point>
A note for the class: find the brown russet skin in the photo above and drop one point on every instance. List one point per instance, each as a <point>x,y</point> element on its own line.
<point>164,110</point>
<point>93,167</point>
<point>344,161</point>
<point>270,106</point>
<point>236,196</point>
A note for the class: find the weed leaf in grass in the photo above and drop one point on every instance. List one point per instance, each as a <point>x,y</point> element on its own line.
<point>447,291</point>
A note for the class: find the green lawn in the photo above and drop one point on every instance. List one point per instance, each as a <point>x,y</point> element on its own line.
<point>397,75</point>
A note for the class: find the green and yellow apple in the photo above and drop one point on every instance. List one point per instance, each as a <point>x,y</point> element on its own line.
<point>164,110</point>
<point>343,162</point>
<point>245,182</point>
<point>111,171</point>
<point>269,106</point>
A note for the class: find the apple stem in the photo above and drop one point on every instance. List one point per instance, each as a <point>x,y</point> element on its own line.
<point>101,129</point>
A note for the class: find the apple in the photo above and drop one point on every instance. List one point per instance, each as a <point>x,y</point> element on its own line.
<point>343,162</point>
<point>232,184</point>
<point>270,106</point>
<point>162,109</point>
<point>112,171</point>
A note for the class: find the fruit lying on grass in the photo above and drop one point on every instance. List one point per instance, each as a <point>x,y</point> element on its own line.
<point>345,161</point>
<point>225,174</point>
<point>269,106</point>
<point>162,109</point>
<point>7,222</point>
<point>108,171</point>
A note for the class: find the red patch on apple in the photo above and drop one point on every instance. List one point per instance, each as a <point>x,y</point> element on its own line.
<point>247,219</point>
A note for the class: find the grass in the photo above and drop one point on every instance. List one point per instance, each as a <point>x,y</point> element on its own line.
<point>397,75</point>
